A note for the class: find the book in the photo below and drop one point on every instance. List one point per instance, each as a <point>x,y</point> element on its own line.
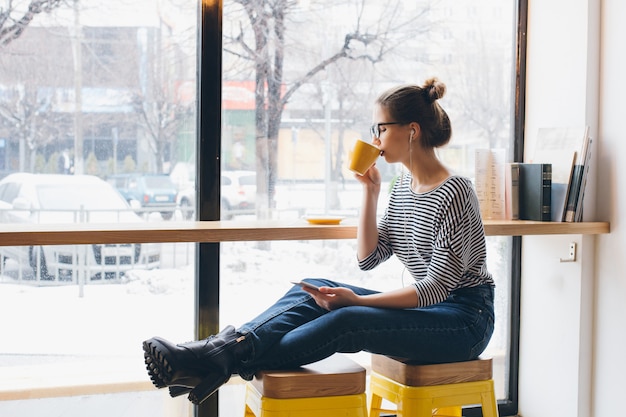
<point>558,198</point>
<point>490,182</point>
<point>572,197</point>
<point>561,147</point>
<point>561,210</point>
<point>583,183</point>
<point>535,191</point>
<point>511,191</point>
<point>573,212</point>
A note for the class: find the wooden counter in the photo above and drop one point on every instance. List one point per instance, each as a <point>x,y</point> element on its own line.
<point>237,231</point>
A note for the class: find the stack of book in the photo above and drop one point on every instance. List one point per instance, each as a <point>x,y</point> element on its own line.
<point>490,164</point>
<point>573,211</point>
<point>552,186</point>
<point>529,191</point>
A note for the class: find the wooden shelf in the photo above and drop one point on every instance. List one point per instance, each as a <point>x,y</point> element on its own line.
<point>526,227</point>
<point>239,231</point>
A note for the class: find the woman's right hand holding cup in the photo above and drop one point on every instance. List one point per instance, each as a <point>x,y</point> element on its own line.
<point>371,177</point>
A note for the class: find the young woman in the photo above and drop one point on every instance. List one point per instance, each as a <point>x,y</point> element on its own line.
<point>432,225</point>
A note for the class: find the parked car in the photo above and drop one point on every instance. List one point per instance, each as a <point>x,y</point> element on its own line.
<point>54,199</point>
<point>186,202</point>
<point>149,192</point>
<point>238,191</point>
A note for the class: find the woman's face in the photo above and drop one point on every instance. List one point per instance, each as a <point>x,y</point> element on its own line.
<point>394,139</point>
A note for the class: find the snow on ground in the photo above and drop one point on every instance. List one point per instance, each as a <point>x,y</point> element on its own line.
<point>115,318</point>
<point>41,325</point>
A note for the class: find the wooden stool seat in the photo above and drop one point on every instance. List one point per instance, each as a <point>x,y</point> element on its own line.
<point>420,390</point>
<point>334,386</point>
<point>432,374</point>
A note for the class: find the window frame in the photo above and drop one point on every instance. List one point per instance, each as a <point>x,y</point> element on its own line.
<point>208,176</point>
<point>208,190</point>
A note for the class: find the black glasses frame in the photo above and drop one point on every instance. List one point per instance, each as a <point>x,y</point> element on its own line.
<point>375,128</point>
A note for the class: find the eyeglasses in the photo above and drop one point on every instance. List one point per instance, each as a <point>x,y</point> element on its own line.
<point>375,129</point>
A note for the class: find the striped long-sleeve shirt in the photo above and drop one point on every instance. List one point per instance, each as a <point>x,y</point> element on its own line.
<point>438,235</point>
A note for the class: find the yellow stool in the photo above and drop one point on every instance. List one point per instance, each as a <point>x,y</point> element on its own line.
<point>332,387</point>
<point>431,390</point>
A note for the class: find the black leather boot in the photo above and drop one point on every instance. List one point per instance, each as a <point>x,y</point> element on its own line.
<point>199,367</point>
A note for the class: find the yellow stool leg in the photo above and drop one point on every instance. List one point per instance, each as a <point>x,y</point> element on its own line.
<point>449,411</point>
<point>489,404</point>
<point>382,389</point>
<point>407,405</point>
<point>375,403</point>
<point>248,412</point>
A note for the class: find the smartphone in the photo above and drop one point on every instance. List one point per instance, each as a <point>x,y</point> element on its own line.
<point>306,284</point>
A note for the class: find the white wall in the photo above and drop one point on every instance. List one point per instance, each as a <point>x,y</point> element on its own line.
<point>609,360</point>
<point>557,298</point>
<point>573,321</point>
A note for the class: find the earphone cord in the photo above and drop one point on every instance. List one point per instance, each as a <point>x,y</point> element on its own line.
<point>404,216</point>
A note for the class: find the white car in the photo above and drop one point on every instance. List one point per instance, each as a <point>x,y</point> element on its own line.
<point>238,190</point>
<point>54,199</point>
<point>238,193</point>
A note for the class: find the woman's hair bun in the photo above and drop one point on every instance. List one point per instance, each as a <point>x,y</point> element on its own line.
<point>434,89</point>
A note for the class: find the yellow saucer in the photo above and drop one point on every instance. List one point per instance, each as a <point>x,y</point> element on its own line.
<point>324,219</point>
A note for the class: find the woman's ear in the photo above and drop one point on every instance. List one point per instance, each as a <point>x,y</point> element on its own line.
<point>415,130</point>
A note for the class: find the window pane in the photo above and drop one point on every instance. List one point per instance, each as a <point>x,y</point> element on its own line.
<point>97,121</point>
<point>316,85</point>
<point>299,82</point>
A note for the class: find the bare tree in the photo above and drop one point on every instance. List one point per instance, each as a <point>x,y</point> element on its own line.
<point>26,115</point>
<point>14,19</point>
<point>482,94</point>
<point>28,105</point>
<point>266,49</point>
<point>157,101</point>
<point>351,110</point>
<point>161,116</point>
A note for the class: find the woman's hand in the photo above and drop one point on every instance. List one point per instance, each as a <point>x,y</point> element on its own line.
<point>332,298</point>
<point>371,177</point>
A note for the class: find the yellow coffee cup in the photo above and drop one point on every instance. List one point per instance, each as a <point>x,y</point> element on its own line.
<point>363,156</point>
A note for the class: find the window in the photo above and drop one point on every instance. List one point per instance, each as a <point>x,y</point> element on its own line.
<point>94,95</point>
<point>294,100</point>
<point>110,89</point>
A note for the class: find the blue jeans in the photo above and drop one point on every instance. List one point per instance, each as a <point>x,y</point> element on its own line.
<point>296,331</point>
